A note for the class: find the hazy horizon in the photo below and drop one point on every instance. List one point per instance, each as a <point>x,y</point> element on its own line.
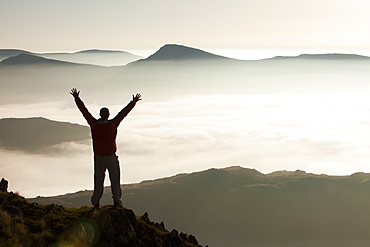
<point>240,54</point>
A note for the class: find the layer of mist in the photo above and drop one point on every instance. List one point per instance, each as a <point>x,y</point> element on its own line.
<point>319,133</point>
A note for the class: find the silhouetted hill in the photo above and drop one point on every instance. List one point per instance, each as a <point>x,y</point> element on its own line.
<point>172,52</point>
<point>28,59</point>
<point>91,57</point>
<point>38,134</point>
<point>5,53</point>
<point>30,224</point>
<point>95,57</point>
<point>102,51</point>
<point>333,56</point>
<point>237,206</point>
<point>29,78</point>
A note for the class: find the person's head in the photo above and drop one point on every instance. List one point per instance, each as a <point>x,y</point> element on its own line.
<point>104,113</point>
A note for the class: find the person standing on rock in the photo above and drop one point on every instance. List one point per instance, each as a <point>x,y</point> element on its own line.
<point>104,133</point>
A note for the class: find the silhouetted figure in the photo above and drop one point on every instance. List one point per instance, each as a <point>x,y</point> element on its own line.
<point>104,134</point>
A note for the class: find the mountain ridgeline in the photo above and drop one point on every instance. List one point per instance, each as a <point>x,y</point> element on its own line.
<point>237,206</point>
<point>178,70</point>
<point>91,57</point>
<point>174,52</point>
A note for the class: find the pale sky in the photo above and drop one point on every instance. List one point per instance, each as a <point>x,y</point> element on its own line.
<point>142,26</point>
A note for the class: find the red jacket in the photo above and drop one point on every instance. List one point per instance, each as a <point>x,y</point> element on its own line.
<point>104,133</point>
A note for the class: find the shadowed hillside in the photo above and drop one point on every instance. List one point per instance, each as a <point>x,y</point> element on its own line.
<point>242,207</point>
<point>38,134</point>
<point>30,224</point>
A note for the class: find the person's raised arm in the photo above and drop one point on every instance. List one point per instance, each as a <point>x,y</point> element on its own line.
<point>136,98</point>
<point>75,93</point>
<point>123,113</point>
<point>81,106</point>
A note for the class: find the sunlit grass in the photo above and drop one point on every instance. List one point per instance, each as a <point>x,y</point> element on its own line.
<point>25,224</point>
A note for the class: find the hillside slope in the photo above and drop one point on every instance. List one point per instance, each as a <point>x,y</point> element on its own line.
<point>38,134</point>
<point>242,207</point>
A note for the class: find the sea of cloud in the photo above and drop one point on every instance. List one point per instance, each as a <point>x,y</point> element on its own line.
<point>319,133</point>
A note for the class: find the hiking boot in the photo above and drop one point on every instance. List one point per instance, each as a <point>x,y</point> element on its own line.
<point>96,207</point>
<point>117,205</point>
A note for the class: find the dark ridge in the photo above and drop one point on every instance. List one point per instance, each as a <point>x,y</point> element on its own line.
<point>101,51</point>
<point>27,59</point>
<point>286,208</point>
<point>32,224</point>
<point>12,52</point>
<point>172,52</point>
<point>35,134</point>
<point>332,56</point>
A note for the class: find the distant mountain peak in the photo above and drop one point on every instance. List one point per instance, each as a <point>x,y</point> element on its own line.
<point>327,56</point>
<point>173,52</point>
<point>100,51</point>
<point>12,52</point>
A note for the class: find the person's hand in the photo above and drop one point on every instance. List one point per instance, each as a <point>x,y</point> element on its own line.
<point>74,92</point>
<point>136,98</point>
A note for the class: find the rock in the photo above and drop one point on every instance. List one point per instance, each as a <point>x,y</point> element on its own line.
<point>184,236</point>
<point>193,240</point>
<point>115,226</point>
<point>161,226</point>
<point>174,233</point>
<point>145,217</point>
<point>189,238</point>
<point>120,227</point>
<point>55,225</point>
<point>3,185</point>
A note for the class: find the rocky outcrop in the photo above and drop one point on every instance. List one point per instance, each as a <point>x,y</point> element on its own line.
<point>3,185</point>
<point>123,228</point>
<point>31,224</point>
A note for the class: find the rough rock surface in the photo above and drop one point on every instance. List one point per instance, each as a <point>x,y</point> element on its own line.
<point>3,185</point>
<point>30,224</point>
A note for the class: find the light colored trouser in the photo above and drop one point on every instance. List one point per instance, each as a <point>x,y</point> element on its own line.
<point>101,163</point>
